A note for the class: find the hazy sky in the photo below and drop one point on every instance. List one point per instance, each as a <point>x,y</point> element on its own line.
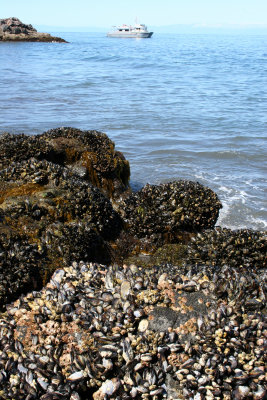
<point>104,13</point>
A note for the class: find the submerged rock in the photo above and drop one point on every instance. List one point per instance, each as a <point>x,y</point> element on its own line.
<point>12,29</point>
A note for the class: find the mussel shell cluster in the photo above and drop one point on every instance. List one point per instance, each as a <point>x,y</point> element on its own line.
<point>18,266</point>
<point>91,154</point>
<point>131,333</point>
<point>49,216</point>
<point>242,248</point>
<point>162,211</point>
<point>52,193</point>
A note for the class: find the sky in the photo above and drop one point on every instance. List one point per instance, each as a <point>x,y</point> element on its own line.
<point>105,13</point>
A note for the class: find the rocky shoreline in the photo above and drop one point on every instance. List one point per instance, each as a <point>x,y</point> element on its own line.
<point>12,29</point>
<point>110,294</point>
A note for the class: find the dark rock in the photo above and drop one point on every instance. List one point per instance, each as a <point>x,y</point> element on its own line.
<point>49,205</point>
<point>190,326</point>
<point>162,318</point>
<point>57,195</point>
<point>54,205</point>
<point>183,316</point>
<point>12,29</point>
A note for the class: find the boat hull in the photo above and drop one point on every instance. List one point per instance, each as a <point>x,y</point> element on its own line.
<point>130,34</point>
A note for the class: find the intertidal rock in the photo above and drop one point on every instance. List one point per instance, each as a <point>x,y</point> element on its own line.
<point>49,193</point>
<point>50,217</point>
<point>90,155</point>
<point>96,331</point>
<point>50,204</point>
<point>12,29</point>
<point>165,212</point>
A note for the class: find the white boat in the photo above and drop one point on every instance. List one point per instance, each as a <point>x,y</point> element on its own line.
<point>129,31</point>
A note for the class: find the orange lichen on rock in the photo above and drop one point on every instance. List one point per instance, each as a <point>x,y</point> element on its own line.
<point>188,327</point>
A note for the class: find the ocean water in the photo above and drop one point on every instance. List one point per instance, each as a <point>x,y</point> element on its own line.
<point>177,106</point>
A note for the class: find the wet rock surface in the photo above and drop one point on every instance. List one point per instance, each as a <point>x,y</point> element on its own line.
<point>12,29</point>
<point>88,334</point>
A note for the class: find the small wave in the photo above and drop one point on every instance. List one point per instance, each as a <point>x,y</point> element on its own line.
<point>259,222</point>
<point>225,189</point>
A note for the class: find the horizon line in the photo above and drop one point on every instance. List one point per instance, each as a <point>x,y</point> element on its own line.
<point>173,28</point>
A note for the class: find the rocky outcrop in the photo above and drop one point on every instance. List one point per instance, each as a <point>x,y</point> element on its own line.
<point>54,204</point>
<point>242,248</point>
<point>12,29</point>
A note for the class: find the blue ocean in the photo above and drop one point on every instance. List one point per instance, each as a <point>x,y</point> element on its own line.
<point>178,107</point>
